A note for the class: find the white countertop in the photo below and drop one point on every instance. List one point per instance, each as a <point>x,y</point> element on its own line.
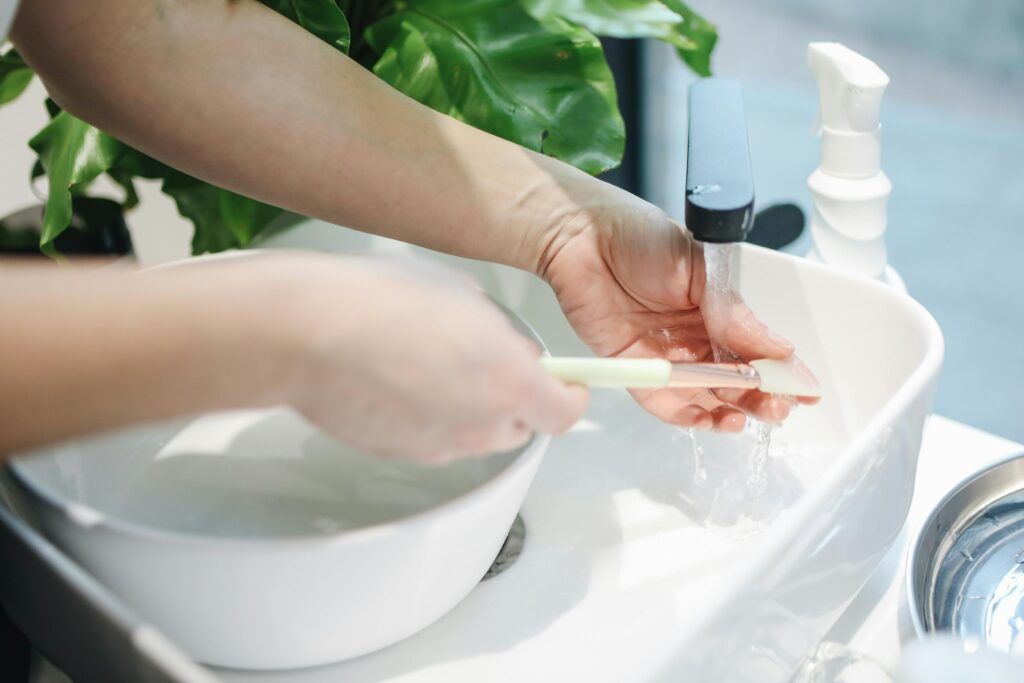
<point>877,621</point>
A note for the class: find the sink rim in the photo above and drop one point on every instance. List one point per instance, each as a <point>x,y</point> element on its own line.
<point>792,527</point>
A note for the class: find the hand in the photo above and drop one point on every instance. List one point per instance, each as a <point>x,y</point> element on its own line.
<point>408,360</point>
<point>631,282</point>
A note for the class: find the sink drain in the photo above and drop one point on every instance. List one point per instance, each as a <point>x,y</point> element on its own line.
<point>510,549</point>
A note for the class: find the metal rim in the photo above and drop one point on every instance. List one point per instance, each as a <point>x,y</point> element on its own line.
<point>917,594</point>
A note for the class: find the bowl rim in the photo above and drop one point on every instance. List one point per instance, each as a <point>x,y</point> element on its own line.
<point>916,551</point>
<point>89,518</point>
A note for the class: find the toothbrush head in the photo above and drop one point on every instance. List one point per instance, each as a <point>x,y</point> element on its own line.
<point>789,377</point>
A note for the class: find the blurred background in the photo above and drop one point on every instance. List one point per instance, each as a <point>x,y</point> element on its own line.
<point>953,146</point>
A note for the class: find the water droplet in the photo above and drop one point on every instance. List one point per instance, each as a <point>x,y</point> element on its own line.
<point>706,189</point>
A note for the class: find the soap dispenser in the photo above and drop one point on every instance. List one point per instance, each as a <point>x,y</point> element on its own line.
<point>849,190</point>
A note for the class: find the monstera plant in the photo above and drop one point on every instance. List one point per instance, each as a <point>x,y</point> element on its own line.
<point>551,91</point>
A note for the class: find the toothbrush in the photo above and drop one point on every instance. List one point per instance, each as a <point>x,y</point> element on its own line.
<point>770,376</point>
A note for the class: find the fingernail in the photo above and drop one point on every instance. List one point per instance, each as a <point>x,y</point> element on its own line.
<point>777,338</point>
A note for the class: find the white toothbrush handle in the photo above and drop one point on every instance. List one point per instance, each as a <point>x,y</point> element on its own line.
<point>635,373</point>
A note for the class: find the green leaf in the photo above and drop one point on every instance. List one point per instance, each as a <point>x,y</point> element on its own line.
<point>222,219</point>
<point>545,85</point>
<point>73,154</point>
<point>131,164</point>
<point>52,108</point>
<point>322,18</point>
<point>15,75</point>
<point>671,21</point>
<point>131,196</point>
<point>616,18</point>
<point>696,38</point>
<point>134,163</point>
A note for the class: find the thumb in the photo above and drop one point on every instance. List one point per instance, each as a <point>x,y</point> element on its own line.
<point>558,405</point>
<point>740,331</point>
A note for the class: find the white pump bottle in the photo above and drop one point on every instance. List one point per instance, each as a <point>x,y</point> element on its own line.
<point>849,189</point>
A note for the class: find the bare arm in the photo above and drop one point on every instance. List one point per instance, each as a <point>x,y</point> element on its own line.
<point>235,94</point>
<point>84,350</point>
<point>231,92</point>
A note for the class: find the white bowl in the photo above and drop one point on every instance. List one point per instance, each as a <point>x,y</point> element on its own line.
<point>254,541</point>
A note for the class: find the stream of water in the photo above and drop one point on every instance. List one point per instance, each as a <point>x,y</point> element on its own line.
<point>717,307</point>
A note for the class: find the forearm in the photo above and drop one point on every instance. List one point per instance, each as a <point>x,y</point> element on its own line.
<point>237,95</point>
<point>84,351</point>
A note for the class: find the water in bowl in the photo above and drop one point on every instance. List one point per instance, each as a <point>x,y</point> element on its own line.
<point>248,474</point>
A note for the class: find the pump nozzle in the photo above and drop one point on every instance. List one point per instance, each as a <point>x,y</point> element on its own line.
<point>850,191</point>
<point>850,87</point>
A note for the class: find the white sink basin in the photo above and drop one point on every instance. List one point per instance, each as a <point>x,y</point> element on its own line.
<point>642,561</point>
<point>623,576</point>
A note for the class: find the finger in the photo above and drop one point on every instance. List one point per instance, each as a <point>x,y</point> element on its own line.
<point>558,406</point>
<point>683,408</point>
<point>728,419</point>
<point>485,439</point>
<point>510,436</point>
<point>748,337</point>
<point>733,397</point>
<point>698,273</point>
<point>692,416</point>
<point>771,408</point>
<point>476,442</point>
<point>532,348</point>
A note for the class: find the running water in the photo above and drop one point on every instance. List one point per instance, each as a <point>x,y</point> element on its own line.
<point>717,307</point>
<point>739,483</point>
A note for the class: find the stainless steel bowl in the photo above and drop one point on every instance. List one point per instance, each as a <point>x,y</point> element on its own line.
<point>965,571</point>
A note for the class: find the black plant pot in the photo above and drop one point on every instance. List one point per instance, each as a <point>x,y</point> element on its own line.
<point>97,229</point>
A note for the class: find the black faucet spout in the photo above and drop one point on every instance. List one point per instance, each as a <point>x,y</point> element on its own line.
<point>719,180</point>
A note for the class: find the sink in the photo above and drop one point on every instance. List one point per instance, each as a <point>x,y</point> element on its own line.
<point>625,574</point>
<point>639,555</point>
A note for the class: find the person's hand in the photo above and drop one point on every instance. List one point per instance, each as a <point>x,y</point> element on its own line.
<point>411,361</point>
<point>631,282</point>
